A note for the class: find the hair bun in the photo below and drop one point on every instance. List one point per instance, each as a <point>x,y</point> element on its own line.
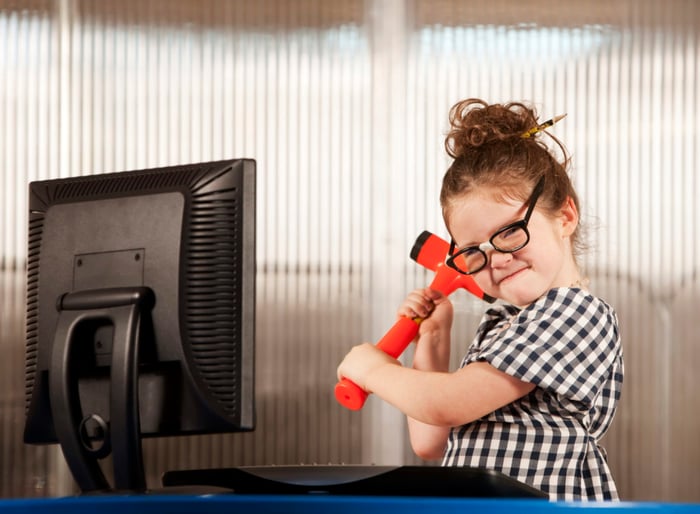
<point>474,123</point>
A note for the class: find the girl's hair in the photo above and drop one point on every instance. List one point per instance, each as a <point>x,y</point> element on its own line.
<point>486,143</point>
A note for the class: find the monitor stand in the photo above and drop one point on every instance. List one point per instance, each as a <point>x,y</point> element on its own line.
<point>128,310</point>
<point>357,480</point>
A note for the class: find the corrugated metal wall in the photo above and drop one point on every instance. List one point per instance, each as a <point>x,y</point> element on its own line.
<point>344,106</point>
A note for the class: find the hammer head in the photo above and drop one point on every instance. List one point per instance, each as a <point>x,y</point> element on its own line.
<point>430,252</point>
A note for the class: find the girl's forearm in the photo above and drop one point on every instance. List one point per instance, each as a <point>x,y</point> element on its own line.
<point>445,399</point>
<point>432,351</point>
<point>432,354</point>
<point>411,391</point>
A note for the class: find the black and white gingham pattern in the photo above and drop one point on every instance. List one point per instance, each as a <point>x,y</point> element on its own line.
<point>567,343</point>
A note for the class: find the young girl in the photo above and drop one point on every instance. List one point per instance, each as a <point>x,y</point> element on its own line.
<point>540,382</point>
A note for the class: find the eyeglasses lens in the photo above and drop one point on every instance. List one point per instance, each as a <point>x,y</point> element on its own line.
<point>510,239</point>
<point>470,260</point>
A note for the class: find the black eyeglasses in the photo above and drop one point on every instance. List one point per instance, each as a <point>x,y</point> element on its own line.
<point>508,239</point>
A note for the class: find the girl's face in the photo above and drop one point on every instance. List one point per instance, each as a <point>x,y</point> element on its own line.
<point>523,276</point>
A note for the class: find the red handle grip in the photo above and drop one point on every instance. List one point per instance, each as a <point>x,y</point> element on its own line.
<point>393,343</point>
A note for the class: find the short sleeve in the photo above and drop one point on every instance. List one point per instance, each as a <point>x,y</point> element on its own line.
<point>566,342</point>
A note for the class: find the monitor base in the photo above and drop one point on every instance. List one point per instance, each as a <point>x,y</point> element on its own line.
<point>462,482</point>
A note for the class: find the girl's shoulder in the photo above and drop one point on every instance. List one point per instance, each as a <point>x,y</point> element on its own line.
<point>565,315</point>
<point>564,302</point>
<point>558,312</point>
<point>557,302</point>
<point>567,341</point>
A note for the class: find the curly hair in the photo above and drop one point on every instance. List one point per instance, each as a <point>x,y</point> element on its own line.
<point>487,144</point>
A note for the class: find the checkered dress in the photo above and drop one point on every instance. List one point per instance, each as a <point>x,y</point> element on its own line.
<point>566,343</point>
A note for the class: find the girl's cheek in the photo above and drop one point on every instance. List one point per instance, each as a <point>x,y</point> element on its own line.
<point>483,280</point>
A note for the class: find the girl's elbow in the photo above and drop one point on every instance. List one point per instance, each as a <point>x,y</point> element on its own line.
<point>428,453</point>
<point>446,417</point>
<point>429,444</point>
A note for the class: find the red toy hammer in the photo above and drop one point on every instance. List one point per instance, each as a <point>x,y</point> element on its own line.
<point>429,251</point>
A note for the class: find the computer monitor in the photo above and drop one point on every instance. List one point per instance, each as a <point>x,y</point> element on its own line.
<point>140,317</point>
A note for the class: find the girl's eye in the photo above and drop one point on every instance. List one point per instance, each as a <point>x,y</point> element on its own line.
<point>509,233</point>
<point>510,239</point>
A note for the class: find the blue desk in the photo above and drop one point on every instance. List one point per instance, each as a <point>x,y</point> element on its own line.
<point>319,504</point>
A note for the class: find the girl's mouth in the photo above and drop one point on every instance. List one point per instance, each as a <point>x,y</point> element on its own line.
<point>512,276</point>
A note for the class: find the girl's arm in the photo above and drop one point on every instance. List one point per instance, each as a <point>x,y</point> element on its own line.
<point>436,398</point>
<point>433,399</point>
<point>432,353</point>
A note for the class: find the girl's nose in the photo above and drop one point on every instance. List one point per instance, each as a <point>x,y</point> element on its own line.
<point>499,259</point>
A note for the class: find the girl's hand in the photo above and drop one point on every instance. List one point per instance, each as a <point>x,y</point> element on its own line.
<point>430,305</point>
<point>433,340</point>
<point>361,362</point>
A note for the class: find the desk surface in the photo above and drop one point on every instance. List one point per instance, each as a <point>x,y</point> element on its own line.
<point>318,504</point>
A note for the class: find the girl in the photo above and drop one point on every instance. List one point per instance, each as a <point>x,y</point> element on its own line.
<point>541,380</point>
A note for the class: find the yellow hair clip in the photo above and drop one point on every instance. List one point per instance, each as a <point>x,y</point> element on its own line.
<point>539,128</point>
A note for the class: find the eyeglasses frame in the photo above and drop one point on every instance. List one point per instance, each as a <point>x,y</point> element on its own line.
<point>522,223</point>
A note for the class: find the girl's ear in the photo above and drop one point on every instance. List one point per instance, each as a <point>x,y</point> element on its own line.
<point>568,216</point>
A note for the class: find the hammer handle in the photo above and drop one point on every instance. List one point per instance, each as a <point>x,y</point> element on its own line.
<point>394,342</point>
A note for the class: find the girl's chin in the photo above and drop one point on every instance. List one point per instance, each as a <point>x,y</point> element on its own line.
<point>521,294</point>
